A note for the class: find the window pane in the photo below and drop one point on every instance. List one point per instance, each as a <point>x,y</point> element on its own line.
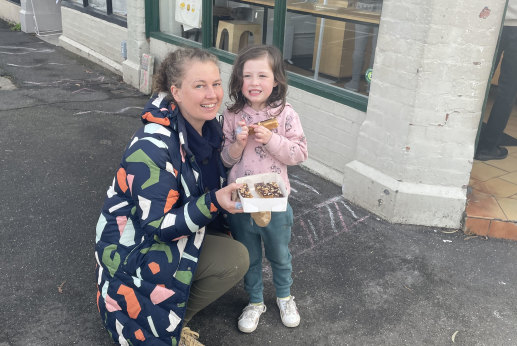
<point>181,18</point>
<point>237,24</point>
<point>119,7</point>
<point>332,41</point>
<point>98,5</point>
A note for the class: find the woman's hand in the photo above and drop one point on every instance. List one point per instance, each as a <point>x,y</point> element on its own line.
<point>224,198</point>
<point>262,134</point>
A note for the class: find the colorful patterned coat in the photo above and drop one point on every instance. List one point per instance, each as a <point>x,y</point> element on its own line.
<point>150,231</point>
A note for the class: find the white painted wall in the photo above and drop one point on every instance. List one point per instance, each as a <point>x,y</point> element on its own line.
<point>40,16</point>
<point>415,148</point>
<point>137,43</point>
<point>93,38</point>
<point>9,11</point>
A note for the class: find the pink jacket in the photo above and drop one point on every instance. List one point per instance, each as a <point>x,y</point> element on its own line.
<point>287,146</point>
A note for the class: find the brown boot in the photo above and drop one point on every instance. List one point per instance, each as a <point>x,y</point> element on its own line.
<point>261,218</point>
<point>189,338</point>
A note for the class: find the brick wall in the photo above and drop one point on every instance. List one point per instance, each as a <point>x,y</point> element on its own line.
<point>416,145</point>
<point>93,38</point>
<point>9,11</point>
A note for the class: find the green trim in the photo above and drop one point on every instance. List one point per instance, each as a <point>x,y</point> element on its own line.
<point>223,55</point>
<point>489,83</point>
<point>279,23</point>
<point>176,40</point>
<point>152,17</point>
<point>208,24</point>
<point>357,101</point>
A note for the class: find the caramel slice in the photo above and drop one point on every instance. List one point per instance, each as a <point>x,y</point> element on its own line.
<point>269,124</point>
<point>268,190</point>
<point>245,191</point>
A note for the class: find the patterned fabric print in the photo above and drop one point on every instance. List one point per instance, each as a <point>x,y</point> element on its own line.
<point>149,233</point>
<point>286,147</point>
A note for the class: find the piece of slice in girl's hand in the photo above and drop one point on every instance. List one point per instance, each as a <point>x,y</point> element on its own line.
<point>269,124</point>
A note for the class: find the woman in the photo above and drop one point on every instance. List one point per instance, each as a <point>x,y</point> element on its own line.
<point>162,248</point>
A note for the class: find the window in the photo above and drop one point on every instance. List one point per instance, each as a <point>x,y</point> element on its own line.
<point>328,45</point>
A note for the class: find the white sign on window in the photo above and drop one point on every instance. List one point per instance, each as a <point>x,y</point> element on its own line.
<point>188,13</point>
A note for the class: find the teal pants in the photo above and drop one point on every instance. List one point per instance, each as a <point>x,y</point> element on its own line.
<point>275,237</point>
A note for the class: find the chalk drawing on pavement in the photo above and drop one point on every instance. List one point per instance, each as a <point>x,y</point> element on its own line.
<point>120,111</point>
<point>14,50</point>
<point>322,223</point>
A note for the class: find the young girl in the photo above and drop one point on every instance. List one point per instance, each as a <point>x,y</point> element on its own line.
<point>258,89</point>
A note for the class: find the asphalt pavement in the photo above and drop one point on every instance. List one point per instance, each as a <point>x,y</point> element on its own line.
<point>358,280</point>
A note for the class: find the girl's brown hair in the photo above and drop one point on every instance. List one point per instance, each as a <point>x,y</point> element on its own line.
<point>172,68</point>
<point>276,61</point>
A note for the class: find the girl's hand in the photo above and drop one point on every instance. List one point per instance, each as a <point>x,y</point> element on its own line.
<point>242,134</point>
<point>224,198</point>
<point>262,134</point>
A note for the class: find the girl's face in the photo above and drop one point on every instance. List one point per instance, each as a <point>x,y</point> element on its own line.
<point>200,94</point>
<point>258,82</point>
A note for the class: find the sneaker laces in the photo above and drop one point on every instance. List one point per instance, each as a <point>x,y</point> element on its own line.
<point>253,311</point>
<point>189,338</point>
<point>288,305</point>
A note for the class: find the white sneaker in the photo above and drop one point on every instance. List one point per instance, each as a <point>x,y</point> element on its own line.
<point>250,316</point>
<point>288,312</point>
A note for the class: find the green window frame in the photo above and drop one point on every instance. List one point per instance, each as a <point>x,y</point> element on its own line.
<point>340,95</point>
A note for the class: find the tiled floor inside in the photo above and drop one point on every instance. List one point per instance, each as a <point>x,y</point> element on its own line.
<point>492,199</point>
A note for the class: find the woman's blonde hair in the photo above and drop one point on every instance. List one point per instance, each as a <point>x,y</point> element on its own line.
<point>172,68</point>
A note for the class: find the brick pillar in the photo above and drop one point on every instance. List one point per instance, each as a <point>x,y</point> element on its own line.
<point>137,43</point>
<point>415,148</point>
<point>47,13</point>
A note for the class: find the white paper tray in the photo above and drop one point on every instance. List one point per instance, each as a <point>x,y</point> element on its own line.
<point>255,204</point>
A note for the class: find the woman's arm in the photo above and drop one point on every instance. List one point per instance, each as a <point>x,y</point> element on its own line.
<point>154,186</point>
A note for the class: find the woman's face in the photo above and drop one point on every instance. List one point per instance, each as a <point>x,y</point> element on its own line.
<point>200,94</point>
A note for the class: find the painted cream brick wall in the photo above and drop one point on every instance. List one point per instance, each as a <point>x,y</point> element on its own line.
<point>415,147</point>
<point>137,43</point>
<point>82,33</point>
<point>9,11</point>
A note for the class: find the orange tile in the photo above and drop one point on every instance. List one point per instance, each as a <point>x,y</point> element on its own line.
<point>505,230</point>
<point>482,205</point>
<point>482,171</point>
<point>509,164</point>
<point>476,226</point>
<point>511,177</point>
<point>509,207</point>
<point>497,187</point>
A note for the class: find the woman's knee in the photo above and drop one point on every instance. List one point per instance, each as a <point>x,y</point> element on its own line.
<point>241,259</point>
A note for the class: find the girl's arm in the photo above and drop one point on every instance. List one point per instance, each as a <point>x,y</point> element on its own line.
<point>290,148</point>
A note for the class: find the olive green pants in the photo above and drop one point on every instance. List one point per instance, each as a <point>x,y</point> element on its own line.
<point>222,264</point>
